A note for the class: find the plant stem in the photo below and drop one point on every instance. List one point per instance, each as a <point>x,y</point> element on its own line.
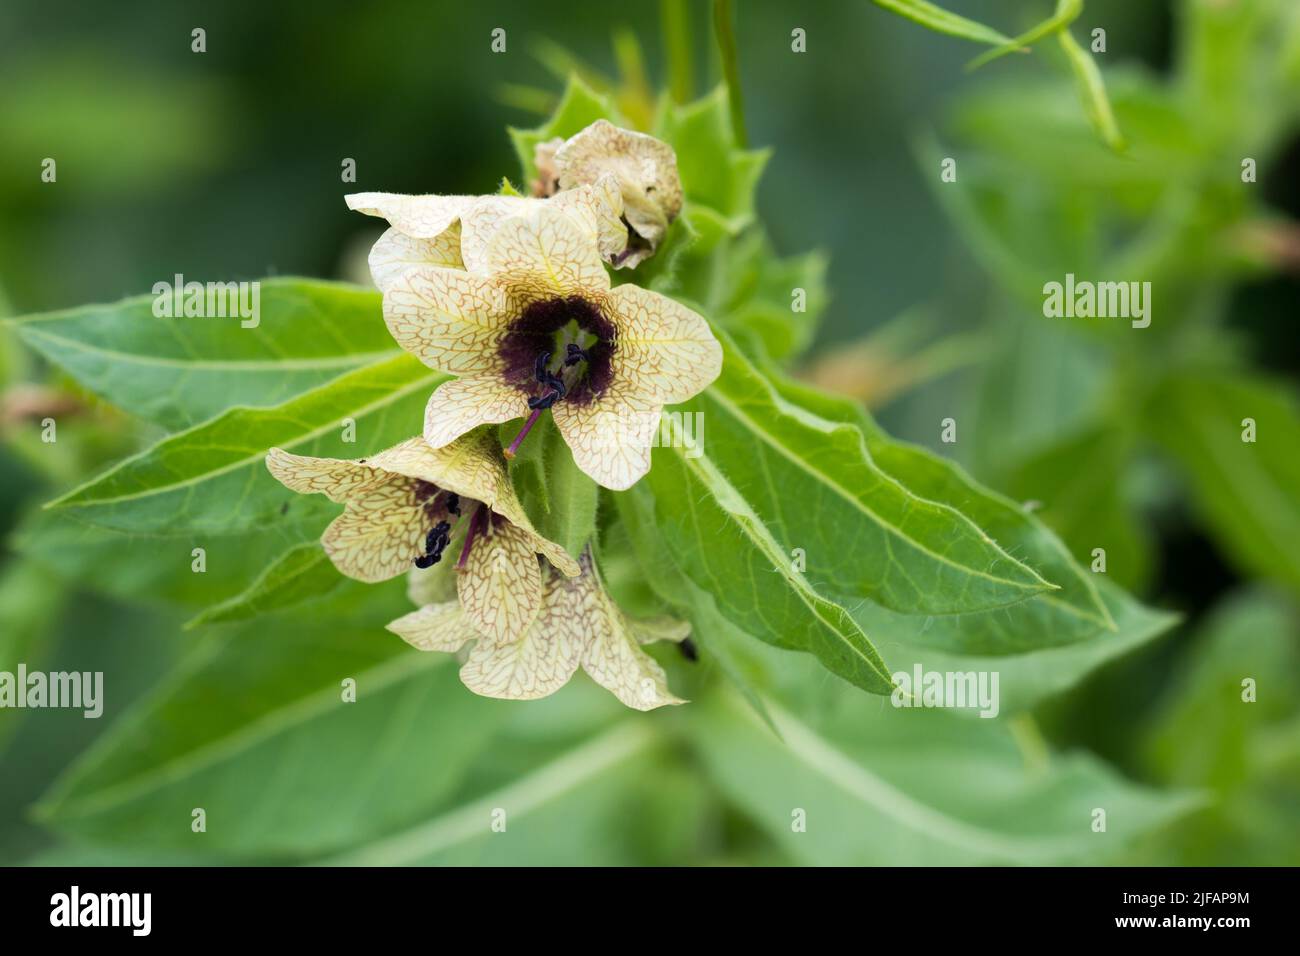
<point>725,29</point>
<point>677,43</point>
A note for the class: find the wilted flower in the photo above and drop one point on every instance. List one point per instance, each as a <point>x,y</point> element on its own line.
<point>644,167</point>
<point>453,231</point>
<point>542,328</point>
<point>406,506</point>
<point>578,626</point>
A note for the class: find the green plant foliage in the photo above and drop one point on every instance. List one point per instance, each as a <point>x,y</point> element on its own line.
<point>821,554</point>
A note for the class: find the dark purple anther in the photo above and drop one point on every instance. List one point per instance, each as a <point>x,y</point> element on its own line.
<point>539,367</point>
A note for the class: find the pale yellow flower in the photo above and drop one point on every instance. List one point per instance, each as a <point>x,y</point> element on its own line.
<point>542,328</point>
<point>408,505</point>
<point>644,167</point>
<point>453,231</point>
<point>579,626</point>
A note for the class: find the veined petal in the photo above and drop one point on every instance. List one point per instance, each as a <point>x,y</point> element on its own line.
<point>611,655</point>
<point>436,627</point>
<point>379,534</point>
<point>500,586</point>
<point>460,405</point>
<point>472,467</point>
<point>545,254</point>
<point>481,221</point>
<point>644,168</point>
<point>395,252</point>
<point>539,662</point>
<point>421,217</point>
<point>599,207</point>
<point>664,349</point>
<point>506,503</point>
<point>337,478</point>
<point>615,662</point>
<point>611,437</point>
<point>448,319</point>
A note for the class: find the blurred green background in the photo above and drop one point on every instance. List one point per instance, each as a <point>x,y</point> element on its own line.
<point>226,164</point>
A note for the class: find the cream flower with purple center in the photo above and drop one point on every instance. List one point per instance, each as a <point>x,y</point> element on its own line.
<point>579,626</point>
<point>412,505</point>
<point>539,327</point>
<point>645,169</point>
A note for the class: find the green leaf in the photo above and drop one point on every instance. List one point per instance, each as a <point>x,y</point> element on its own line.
<point>255,731</point>
<point>1074,612</point>
<point>717,638</point>
<point>876,787</point>
<point>213,479</point>
<point>1092,92</point>
<point>814,486</point>
<point>749,290</point>
<point>750,575</point>
<point>1079,483</point>
<point>571,810</point>
<point>936,18</point>
<point>1028,677</point>
<point>716,172</point>
<point>179,371</point>
<point>559,497</point>
<point>1245,491</point>
<point>30,601</point>
<point>1067,11</point>
<point>1205,732</point>
<point>157,568</point>
<point>300,574</point>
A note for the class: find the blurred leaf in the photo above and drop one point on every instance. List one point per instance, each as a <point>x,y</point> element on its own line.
<point>875,786</point>
<point>1067,11</point>
<point>30,605</point>
<point>753,293</point>
<point>156,568</point>
<point>1206,733</point>
<point>213,477</point>
<point>1248,753</point>
<point>254,730</point>
<point>163,123</point>
<point>1245,491</point>
<point>1092,91</point>
<point>1079,483</point>
<point>300,574</point>
<point>1029,677</point>
<point>715,170</point>
<point>179,371</point>
<point>573,811</point>
<point>936,18</point>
